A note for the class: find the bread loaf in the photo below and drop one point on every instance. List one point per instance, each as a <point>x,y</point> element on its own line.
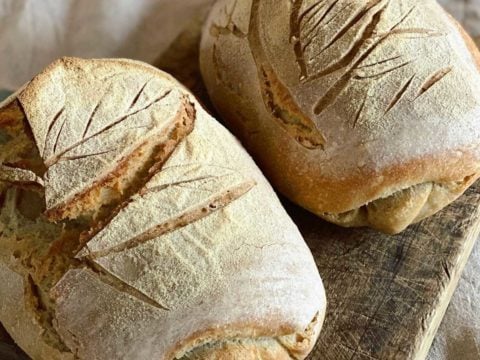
<point>364,112</point>
<point>134,226</point>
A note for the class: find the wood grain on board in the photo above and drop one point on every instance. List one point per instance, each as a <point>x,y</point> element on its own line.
<point>387,294</point>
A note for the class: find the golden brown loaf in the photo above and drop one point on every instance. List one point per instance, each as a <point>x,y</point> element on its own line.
<point>365,112</point>
<point>134,226</point>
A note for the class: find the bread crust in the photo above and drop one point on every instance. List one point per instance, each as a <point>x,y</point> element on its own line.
<point>201,230</point>
<point>213,344</point>
<point>413,123</point>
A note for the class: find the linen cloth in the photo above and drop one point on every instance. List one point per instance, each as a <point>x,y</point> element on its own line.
<point>33,33</point>
<point>458,337</point>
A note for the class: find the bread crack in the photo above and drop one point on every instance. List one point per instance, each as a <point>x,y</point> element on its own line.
<point>185,218</point>
<point>43,315</point>
<point>344,81</point>
<point>50,127</point>
<point>131,173</point>
<point>399,95</point>
<point>276,97</point>
<point>111,280</point>
<point>58,156</point>
<point>434,79</point>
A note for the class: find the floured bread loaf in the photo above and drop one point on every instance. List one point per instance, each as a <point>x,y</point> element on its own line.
<point>365,112</point>
<point>134,226</point>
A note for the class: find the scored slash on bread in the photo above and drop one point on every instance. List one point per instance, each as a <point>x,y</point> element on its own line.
<point>178,197</point>
<point>204,189</point>
<point>100,130</point>
<point>149,231</point>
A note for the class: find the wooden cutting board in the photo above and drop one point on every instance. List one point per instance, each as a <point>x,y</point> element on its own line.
<point>386,294</point>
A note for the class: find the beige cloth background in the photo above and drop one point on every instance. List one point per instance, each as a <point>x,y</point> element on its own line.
<point>458,337</point>
<point>35,32</point>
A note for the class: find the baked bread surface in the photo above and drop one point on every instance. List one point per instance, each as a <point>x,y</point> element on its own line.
<point>134,226</point>
<point>365,112</point>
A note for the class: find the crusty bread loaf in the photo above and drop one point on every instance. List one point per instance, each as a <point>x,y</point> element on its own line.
<point>365,112</point>
<point>134,226</point>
